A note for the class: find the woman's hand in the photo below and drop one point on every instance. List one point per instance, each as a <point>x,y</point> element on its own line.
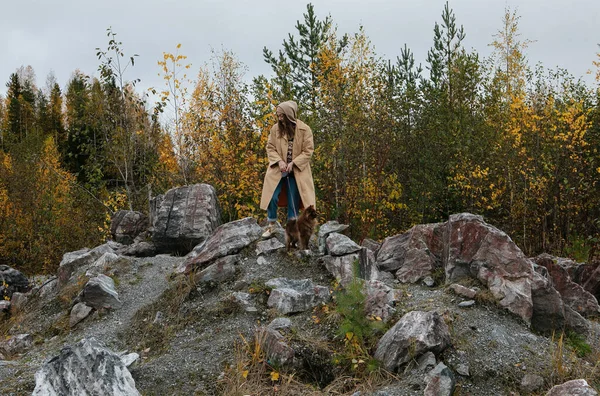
<point>282,166</point>
<point>289,167</point>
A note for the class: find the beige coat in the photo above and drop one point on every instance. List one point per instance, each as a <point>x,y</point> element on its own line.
<point>302,151</point>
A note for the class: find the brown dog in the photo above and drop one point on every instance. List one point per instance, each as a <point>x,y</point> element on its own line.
<point>300,230</point>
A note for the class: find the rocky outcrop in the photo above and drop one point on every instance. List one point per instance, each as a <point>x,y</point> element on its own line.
<point>414,334</point>
<point>324,231</point>
<point>227,239</point>
<point>573,295</point>
<point>342,267</point>
<point>474,248</point>
<point>223,269</point>
<point>340,245</point>
<point>413,255</point>
<point>72,262</point>
<point>126,225</point>
<point>12,281</point>
<point>184,217</point>
<point>290,295</point>
<point>577,387</point>
<point>87,368</point>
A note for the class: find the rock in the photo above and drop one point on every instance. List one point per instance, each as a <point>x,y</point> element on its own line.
<point>244,300</point>
<point>531,383</point>
<point>5,306</point>
<point>426,362</point>
<point>466,304</point>
<point>79,312</point>
<point>139,249</point>
<point>126,225</point>
<point>379,300</point>
<point>371,244</point>
<point>12,281</point>
<point>342,267</point>
<point>18,301</point>
<point>440,381</point>
<point>158,318</point>
<point>463,369</point>
<point>102,265</point>
<point>86,368</point>
<point>16,344</point>
<point>340,245</point>
<point>277,351</point>
<point>290,295</point>
<point>429,281</point>
<point>548,308</point>
<point>462,291</point>
<point>414,254</point>
<point>280,323</point>
<point>575,321</point>
<point>573,295</point>
<point>184,217</point>
<point>99,293</point>
<point>414,334</point>
<point>477,249</point>
<point>367,267</point>
<point>129,358</point>
<point>268,246</point>
<point>222,270</point>
<point>588,276</point>
<point>227,239</point>
<point>79,260</point>
<point>325,230</point>
<point>577,387</point>
<point>48,289</point>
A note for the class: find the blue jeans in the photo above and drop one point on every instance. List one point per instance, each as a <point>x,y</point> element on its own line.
<point>293,199</point>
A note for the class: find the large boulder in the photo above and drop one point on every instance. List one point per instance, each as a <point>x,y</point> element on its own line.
<point>291,295</point>
<point>227,239</point>
<point>184,217</point>
<point>324,231</point>
<point>80,260</point>
<point>87,368</point>
<point>99,293</point>
<point>12,281</point>
<point>573,295</point>
<point>474,248</point>
<point>577,387</point>
<point>125,225</point>
<point>414,254</point>
<point>415,333</point>
<point>342,267</point>
<point>587,275</point>
<point>340,245</point>
<point>548,309</point>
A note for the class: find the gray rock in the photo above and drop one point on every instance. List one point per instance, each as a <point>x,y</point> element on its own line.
<point>18,301</point>
<point>340,245</point>
<point>325,230</point>
<point>463,369</point>
<point>222,270</point>
<point>14,280</point>
<point>126,225</point>
<point>268,246</point>
<point>342,267</point>
<point>371,244</point>
<point>290,295</point>
<point>101,265</point>
<point>379,300</point>
<point>244,299</point>
<point>414,334</point>
<point>5,306</point>
<point>280,323</point>
<point>88,368</point>
<point>139,249</point>
<point>99,293</point>
<point>80,260</point>
<point>227,239</point>
<point>16,344</point>
<point>466,304</point>
<point>277,351</point>
<point>48,289</point>
<point>129,358</point>
<point>426,362</point>
<point>548,308</point>
<point>532,383</point>
<point>184,217</point>
<point>429,281</point>
<point>440,381</point>
<point>158,318</point>
<point>462,291</point>
<point>79,312</point>
<point>578,387</point>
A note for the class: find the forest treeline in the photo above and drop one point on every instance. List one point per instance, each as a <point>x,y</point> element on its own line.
<point>397,143</point>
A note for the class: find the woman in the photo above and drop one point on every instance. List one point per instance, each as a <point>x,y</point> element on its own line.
<point>289,150</point>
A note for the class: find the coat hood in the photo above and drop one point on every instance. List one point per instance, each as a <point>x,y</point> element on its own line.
<point>290,109</point>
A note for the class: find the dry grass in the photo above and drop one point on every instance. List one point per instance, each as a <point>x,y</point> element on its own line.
<point>566,364</point>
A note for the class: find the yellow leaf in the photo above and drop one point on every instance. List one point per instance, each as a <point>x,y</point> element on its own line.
<point>245,374</point>
<point>349,335</point>
<point>178,45</point>
<point>274,376</point>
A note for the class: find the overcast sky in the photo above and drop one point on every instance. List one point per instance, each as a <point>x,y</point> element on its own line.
<point>61,35</point>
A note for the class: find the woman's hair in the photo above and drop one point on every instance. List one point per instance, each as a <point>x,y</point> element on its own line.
<point>286,127</point>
